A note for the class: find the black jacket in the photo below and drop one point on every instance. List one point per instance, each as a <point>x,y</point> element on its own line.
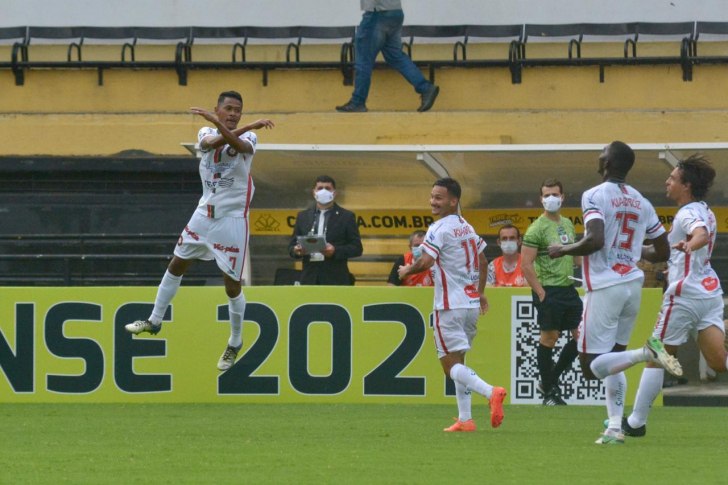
<point>343,233</point>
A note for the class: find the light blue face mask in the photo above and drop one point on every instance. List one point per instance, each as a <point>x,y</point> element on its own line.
<point>416,252</point>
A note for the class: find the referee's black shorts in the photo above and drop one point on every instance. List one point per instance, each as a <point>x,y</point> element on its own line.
<point>560,309</point>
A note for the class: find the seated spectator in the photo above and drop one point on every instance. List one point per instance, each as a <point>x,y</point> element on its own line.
<point>419,279</point>
<point>506,270</point>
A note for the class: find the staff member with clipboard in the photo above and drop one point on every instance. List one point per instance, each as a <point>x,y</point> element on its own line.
<point>325,236</point>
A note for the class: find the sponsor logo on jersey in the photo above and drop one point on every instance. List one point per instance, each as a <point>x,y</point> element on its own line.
<point>192,234</point>
<point>472,291</point>
<point>622,268</point>
<point>222,183</point>
<point>226,249</point>
<point>710,283</point>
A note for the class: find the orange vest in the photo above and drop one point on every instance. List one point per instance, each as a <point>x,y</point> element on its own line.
<point>514,278</point>
<point>419,279</point>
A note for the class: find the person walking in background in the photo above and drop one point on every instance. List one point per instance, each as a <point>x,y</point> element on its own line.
<point>420,279</point>
<point>456,252</point>
<point>380,30</point>
<point>554,296</point>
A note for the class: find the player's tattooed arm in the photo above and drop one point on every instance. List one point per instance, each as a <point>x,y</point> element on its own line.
<point>591,243</point>
<point>658,251</point>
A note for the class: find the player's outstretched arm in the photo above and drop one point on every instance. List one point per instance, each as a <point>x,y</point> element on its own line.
<point>699,239</point>
<point>216,141</point>
<point>591,243</point>
<point>227,135</point>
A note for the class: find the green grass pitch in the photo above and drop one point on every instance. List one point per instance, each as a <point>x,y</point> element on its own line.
<point>364,443</point>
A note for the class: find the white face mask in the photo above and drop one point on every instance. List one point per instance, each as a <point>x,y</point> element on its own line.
<point>552,203</point>
<point>324,196</point>
<point>509,247</point>
<point>416,252</point>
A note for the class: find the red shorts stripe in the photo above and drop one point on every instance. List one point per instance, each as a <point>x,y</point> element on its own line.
<point>437,326</point>
<point>667,317</point>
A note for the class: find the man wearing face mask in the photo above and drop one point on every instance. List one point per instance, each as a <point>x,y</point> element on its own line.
<point>506,270</point>
<point>554,296</point>
<point>418,279</point>
<point>329,267</point>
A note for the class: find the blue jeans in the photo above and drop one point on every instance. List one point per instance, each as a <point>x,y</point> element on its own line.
<point>382,32</point>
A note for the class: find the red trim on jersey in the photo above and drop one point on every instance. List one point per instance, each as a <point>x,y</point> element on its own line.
<point>587,278</point>
<point>624,189</point>
<point>216,156</point>
<point>437,326</point>
<point>583,328</point>
<point>445,299</point>
<point>209,210</point>
<point>245,251</point>
<point>667,318</point>
<point>678,290</point>
<point>247,199</point>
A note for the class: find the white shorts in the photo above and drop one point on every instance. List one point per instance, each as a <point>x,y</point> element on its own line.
<point>609,316</point>
<point>680,317</point>
<point>455,330</point>
<point>225,240</point>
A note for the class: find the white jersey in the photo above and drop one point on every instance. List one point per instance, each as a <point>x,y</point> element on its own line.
<point>690,275</point>
<point>227,187</point>
<point>455,246</point>
<point>628,218</point>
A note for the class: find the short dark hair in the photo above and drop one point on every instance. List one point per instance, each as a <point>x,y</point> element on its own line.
<point>621,158</point>
<point>415,234</point>
<point>325,179</point>
<point>511,226</point>
<point>552,183</point>
<point>229,94</point>
<point>697,171</point>
<point>452,186</point>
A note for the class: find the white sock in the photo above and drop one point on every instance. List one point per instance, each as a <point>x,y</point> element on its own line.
<point>237,313</point>
<point>616,387</point>
<point>167,289</point>
<point>615,362</point>
<point>463,395</point>
<point>468,378</point>
<point>650,387</point>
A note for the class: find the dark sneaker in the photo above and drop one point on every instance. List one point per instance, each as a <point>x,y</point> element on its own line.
<point>228,358</point>
<point>428,98</point>
<point>552,398</point>
<point>352,108</point>
<point>634,432</point>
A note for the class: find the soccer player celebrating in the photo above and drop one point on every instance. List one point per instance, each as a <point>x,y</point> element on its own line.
<point>219,226</point>
<point>693,302</point>
<point>617,219</point>
<point>456,252</point>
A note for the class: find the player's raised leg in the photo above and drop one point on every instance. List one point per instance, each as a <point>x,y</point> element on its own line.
<point>165,293</point>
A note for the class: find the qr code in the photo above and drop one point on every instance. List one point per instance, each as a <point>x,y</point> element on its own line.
<point>524,369</point>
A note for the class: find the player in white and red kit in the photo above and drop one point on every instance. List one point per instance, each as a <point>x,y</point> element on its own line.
<point>617,219</point>
<point>693,302</point>
<point>219,226</point>
<point>459,268</point>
